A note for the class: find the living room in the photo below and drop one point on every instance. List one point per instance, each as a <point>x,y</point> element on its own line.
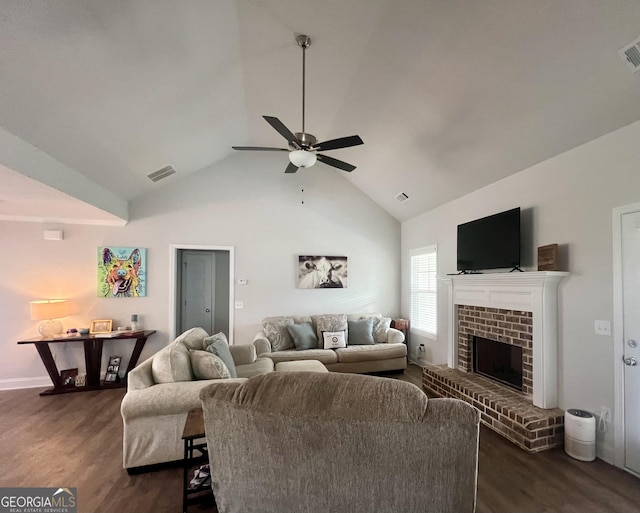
<point>245,201</point>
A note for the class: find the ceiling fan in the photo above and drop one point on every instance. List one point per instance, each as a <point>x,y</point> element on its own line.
<point>303,147</point>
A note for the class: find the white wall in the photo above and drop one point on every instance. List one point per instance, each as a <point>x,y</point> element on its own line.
<point>246,202</point>
<point>566,200</point>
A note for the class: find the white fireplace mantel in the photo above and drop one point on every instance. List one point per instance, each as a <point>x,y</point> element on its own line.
<point>534,292</point>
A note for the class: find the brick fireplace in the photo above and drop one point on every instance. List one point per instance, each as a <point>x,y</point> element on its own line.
<point>511,327</point>
<point>518,309</point>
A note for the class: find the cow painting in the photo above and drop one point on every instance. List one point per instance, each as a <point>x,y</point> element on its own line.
<point>322,272</point>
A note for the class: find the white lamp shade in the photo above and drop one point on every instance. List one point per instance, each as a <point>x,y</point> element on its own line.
<point>47,311</point>
<point>303,158</point>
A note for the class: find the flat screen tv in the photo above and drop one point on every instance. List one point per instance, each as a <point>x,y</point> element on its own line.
<point>492,242</point>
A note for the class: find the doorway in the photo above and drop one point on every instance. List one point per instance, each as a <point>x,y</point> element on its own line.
<point>202,289</point>
<point>626,240</point>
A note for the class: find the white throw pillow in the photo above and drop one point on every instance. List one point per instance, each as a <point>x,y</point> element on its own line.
<point>380,327</point>
<point>334,339</point>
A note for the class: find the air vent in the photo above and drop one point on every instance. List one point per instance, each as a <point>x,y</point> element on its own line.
<point>402,197</point>
<point>158,175</point>
<point>631,55</point>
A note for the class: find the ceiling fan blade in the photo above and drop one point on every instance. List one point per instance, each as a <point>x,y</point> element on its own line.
<point>291,168</point>
<point>336,163</point>
<point>342,142</point>
<point>282,130</point>
<point>257,148</point>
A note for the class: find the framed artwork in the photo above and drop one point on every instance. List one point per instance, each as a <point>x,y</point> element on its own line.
<point>122,272</point>
<point>100,326</point>
<point>113,368</point>
<point>81,380</point>
<point>322,272</point>
<point>68,377</point>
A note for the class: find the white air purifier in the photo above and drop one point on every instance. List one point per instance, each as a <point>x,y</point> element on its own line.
<point>580,435</point>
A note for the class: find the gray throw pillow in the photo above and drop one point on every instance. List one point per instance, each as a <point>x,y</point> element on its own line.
<point>361,332</point>
<point>303,336</point>
<point>218,345</point>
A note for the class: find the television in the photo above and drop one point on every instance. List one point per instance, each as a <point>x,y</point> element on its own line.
<point>492,242</point>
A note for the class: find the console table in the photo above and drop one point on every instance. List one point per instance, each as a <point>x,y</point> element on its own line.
<point>92,358</point>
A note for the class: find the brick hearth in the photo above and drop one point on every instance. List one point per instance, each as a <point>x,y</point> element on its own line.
<point>508,412</point>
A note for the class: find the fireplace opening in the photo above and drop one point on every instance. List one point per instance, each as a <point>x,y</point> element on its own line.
<point>498,361</point>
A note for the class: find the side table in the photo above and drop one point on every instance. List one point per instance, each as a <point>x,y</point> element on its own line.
<point>195,453</point>
<point>92,358</point>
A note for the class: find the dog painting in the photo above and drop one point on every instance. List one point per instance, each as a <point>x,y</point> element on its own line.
<point>122,272</point>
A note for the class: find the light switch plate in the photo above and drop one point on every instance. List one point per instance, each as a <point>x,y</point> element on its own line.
<point>603,328</point>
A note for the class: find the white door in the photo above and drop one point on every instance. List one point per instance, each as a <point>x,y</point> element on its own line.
<point>631,332</point>
<point>198,275</point>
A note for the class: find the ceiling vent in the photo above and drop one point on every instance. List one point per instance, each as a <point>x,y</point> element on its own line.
<point>631,55</point>
<point>158,175</point>
<point>402,197</point>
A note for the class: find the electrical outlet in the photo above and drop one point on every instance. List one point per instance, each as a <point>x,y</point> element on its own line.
<point>239,304</point>
<point>603,328</point>
<point>605,414</point>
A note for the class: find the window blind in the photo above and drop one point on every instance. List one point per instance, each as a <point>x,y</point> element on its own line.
<point>424,273</point>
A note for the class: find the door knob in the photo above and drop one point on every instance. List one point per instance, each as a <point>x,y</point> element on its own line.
<point>631,361</point>
<point>208,310</point>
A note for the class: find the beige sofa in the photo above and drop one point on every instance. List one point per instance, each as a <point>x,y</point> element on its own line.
<point>340,443</point>
<point>388,353</point>
<point>160,392</point>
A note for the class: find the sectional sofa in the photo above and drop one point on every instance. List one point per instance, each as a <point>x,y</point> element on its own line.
<point>161,391</point>
<point>383,350</point>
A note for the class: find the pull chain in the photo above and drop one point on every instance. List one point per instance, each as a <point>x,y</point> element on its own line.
<point>304,54</point>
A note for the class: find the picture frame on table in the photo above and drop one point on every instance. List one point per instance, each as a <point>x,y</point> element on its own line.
<point>113,368</point>
<point>100,326</point>
<point>68,377</point>
<point>111,377</point>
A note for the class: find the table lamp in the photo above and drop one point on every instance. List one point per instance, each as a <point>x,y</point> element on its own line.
<point>49,311</point>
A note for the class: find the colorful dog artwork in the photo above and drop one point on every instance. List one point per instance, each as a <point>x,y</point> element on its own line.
<point>122,272</point>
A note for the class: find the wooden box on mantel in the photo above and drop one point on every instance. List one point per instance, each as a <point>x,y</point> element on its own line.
<point>548,258</point>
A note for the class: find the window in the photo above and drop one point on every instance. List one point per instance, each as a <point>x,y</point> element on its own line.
<point>424,271</point>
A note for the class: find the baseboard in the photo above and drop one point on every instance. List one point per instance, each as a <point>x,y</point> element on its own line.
<point>606,453</point>
<point>16,383</point>
<point>419,363</point>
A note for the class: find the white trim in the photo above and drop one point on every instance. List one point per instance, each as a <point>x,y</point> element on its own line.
<point>424,249</point>
<point>173,283</point>
<point>618,333</point>
<point>17,383</point>
<point>535,292</point>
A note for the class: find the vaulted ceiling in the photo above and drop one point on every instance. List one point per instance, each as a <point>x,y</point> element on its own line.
<point>447,96</point>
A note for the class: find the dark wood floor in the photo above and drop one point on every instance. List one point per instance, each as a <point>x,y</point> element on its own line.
<point>75,441</point>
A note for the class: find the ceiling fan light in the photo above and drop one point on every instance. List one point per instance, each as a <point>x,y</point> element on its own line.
<point>303,158</point>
